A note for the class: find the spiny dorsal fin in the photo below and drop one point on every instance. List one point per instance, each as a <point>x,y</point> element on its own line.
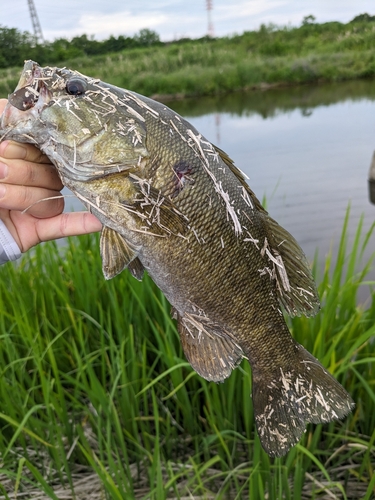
<point>296,287</point>
<point>116,253</point>
<point>211,353</point>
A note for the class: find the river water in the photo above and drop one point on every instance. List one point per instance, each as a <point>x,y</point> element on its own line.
<point>306,149</point>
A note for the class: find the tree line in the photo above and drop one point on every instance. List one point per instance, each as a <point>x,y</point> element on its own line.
<point>16,46</point>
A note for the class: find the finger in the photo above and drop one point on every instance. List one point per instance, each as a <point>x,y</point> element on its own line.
<point>17,150</point>
<point>36,200</point>
<point>67,224</point>
<point>26,173</point>
<point>3,103</point>
<point>29,231</point>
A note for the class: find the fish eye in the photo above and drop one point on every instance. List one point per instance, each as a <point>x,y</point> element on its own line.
<point>76,86</point>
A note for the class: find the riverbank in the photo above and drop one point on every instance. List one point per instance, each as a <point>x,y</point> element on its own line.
<point>261,59</point>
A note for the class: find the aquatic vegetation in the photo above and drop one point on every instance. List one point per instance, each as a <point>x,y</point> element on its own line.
<point>96,394</point>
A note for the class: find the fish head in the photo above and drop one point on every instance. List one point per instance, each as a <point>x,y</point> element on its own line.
<point>87,128</point>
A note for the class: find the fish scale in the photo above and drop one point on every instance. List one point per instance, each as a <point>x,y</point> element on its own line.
<point>173,204</point>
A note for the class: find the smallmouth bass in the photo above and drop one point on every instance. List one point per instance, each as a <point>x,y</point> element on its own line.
<point>173,204</point>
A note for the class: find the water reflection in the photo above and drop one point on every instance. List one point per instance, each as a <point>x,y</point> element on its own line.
<point>371,180</point>
<point>271,103</point>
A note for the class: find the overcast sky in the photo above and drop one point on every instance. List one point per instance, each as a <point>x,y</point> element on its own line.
<point>171,18</point>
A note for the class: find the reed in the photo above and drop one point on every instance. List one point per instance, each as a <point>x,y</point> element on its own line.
<point>97,398</point>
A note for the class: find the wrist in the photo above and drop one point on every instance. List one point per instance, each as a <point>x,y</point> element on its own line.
<point>9,250</point>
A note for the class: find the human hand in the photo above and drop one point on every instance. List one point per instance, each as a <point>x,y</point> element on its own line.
<point>26,177</point>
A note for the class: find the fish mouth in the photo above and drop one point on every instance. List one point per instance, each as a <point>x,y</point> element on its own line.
<point>26,103</point>
<point>30,88</point>
<point>26,97</point>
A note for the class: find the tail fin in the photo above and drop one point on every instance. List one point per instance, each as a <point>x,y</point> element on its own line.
<point>287,400</point>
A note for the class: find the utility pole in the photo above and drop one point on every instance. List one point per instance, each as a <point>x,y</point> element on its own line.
<point>210,25</point>
<point>36,24</point>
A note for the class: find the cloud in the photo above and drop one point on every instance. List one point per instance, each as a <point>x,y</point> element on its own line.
<point>247,9</point>
<point>250,14</point>
<point>173,18</point>
<point>115,23</point>
<point>104,25</point>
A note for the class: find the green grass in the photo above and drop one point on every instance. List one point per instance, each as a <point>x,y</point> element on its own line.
<point>270,56</point>
<point>96,397</point>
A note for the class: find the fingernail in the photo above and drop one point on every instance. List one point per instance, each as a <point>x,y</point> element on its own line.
<point>3,170</point>
<point>2,190</point>
<point>14,151</point>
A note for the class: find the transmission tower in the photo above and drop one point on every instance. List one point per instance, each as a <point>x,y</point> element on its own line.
<point>36,24</point>
<point>210,25</point>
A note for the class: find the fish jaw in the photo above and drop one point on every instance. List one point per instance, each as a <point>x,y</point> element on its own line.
<point>20,120</point>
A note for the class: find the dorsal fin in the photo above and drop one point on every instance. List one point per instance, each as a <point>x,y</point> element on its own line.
<point>296,287</point>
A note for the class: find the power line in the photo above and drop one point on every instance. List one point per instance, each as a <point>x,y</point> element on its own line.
<point>35,21</point>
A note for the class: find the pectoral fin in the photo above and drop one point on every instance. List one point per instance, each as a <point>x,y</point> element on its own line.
<point>158,212</point>
<point>117,254</point>
<point>212,354</point>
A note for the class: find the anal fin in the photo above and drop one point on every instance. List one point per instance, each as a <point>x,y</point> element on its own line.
<point>117,254</point>
<point>211,353</point>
